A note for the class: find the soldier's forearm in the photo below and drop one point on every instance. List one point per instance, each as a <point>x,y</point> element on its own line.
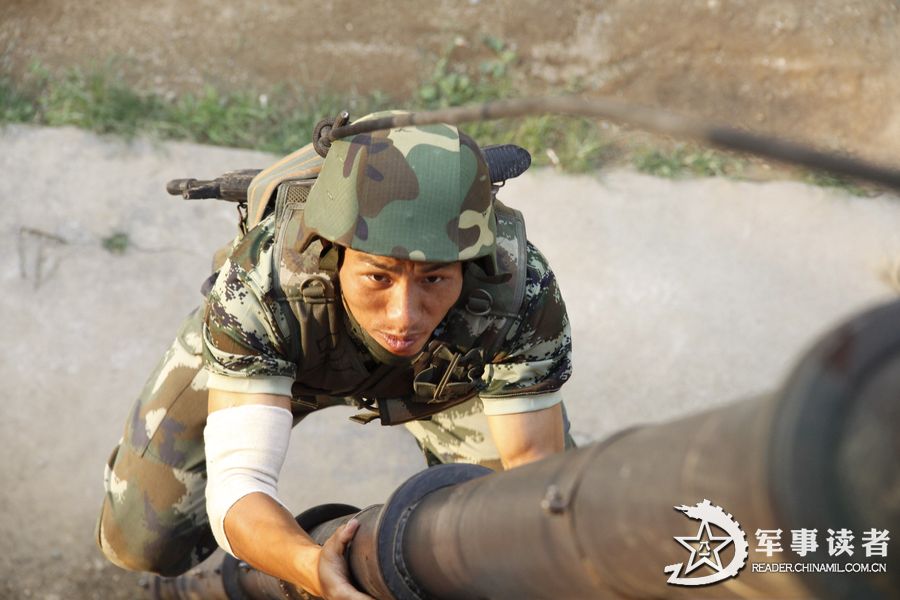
<point>265,535</point>
<point>246,455</point>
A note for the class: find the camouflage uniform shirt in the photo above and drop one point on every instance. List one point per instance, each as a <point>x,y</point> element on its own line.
<point>246,344</point>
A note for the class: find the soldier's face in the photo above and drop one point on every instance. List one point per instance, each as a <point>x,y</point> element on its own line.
<point>398,302</point>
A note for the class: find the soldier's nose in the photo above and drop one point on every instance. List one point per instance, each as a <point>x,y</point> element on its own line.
<point>402,308</point>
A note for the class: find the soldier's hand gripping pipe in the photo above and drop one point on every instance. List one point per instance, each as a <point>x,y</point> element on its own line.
<point>600,522</point>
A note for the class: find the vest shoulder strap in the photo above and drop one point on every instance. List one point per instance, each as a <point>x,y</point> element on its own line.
<point>305,283</point>
<point>491,301</point>
<point>512,258</point>
<point>302,164</point>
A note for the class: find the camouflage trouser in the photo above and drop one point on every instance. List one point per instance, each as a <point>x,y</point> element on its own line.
<point>154,515</point>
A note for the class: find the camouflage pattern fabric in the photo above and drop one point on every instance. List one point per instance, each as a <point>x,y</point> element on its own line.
<point>303,163</point>
<point>154,516</point>
<point>253,342</point>
<point>536,357</point>
<point>461,434</point>
<point>419,193</point>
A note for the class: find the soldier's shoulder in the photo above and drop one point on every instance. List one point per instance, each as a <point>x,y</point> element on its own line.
<point>254,244</point>
<point>543,314</point>
<point>251,259</point>
<point>535,259</point>
<point>538,271</point>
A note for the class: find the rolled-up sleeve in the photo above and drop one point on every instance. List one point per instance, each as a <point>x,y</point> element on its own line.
<point>510,405</point>
<point>245,348</point>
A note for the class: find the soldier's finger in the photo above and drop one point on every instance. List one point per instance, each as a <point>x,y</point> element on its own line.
<point>346,533</point>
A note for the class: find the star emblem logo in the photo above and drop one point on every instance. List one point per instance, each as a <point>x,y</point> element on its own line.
<point>704,548</point>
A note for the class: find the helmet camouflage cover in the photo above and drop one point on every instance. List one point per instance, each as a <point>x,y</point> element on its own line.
<point>420,193</point>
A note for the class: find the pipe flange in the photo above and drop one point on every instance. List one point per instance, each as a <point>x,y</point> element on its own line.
<point>311,518</point>
<point>840,380</point>
<point>395,513</point>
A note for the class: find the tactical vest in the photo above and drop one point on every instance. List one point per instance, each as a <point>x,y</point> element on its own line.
<point>331,367</point>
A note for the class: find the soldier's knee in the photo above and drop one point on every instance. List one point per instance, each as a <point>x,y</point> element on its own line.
<point>115,548</point>
<point>130,547</point>
<point>153,516</point>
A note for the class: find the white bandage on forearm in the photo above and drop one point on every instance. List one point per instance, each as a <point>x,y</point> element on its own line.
<point>245,449</point>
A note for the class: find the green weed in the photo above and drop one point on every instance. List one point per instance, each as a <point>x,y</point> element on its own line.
<point>828,180</point>
<point>98,98</point>
<point>454,84</point>
<point>684,161</point>
<point>15,106</point>
<point>574,145</point>
<point>116,243</point>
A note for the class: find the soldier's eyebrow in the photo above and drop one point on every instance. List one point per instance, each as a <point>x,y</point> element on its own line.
<point>432,267</point>
<point>385,266</point>
<point>393,267</point>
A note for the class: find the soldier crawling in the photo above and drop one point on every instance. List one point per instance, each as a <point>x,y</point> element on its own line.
<point>396,283</point>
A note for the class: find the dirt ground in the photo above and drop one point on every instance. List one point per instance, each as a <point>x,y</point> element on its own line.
<point>825,71</point>
<point>696,291</point>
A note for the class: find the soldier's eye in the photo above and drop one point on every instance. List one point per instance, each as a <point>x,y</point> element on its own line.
<point>378,277</point>
<point>434,279</point>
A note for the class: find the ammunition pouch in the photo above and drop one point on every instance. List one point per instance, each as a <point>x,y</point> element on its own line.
<point>442,375</point>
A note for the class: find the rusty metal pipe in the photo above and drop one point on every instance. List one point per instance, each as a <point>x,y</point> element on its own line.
<point>599,522</point>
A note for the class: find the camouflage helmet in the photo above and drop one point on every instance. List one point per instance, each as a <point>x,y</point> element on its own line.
<point>419,193</point>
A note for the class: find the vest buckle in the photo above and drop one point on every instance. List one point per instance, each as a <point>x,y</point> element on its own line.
<point>316,289</point>
<point>480,302</point>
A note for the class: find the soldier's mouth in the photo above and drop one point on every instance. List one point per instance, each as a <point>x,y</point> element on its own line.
<point>404,345</point>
